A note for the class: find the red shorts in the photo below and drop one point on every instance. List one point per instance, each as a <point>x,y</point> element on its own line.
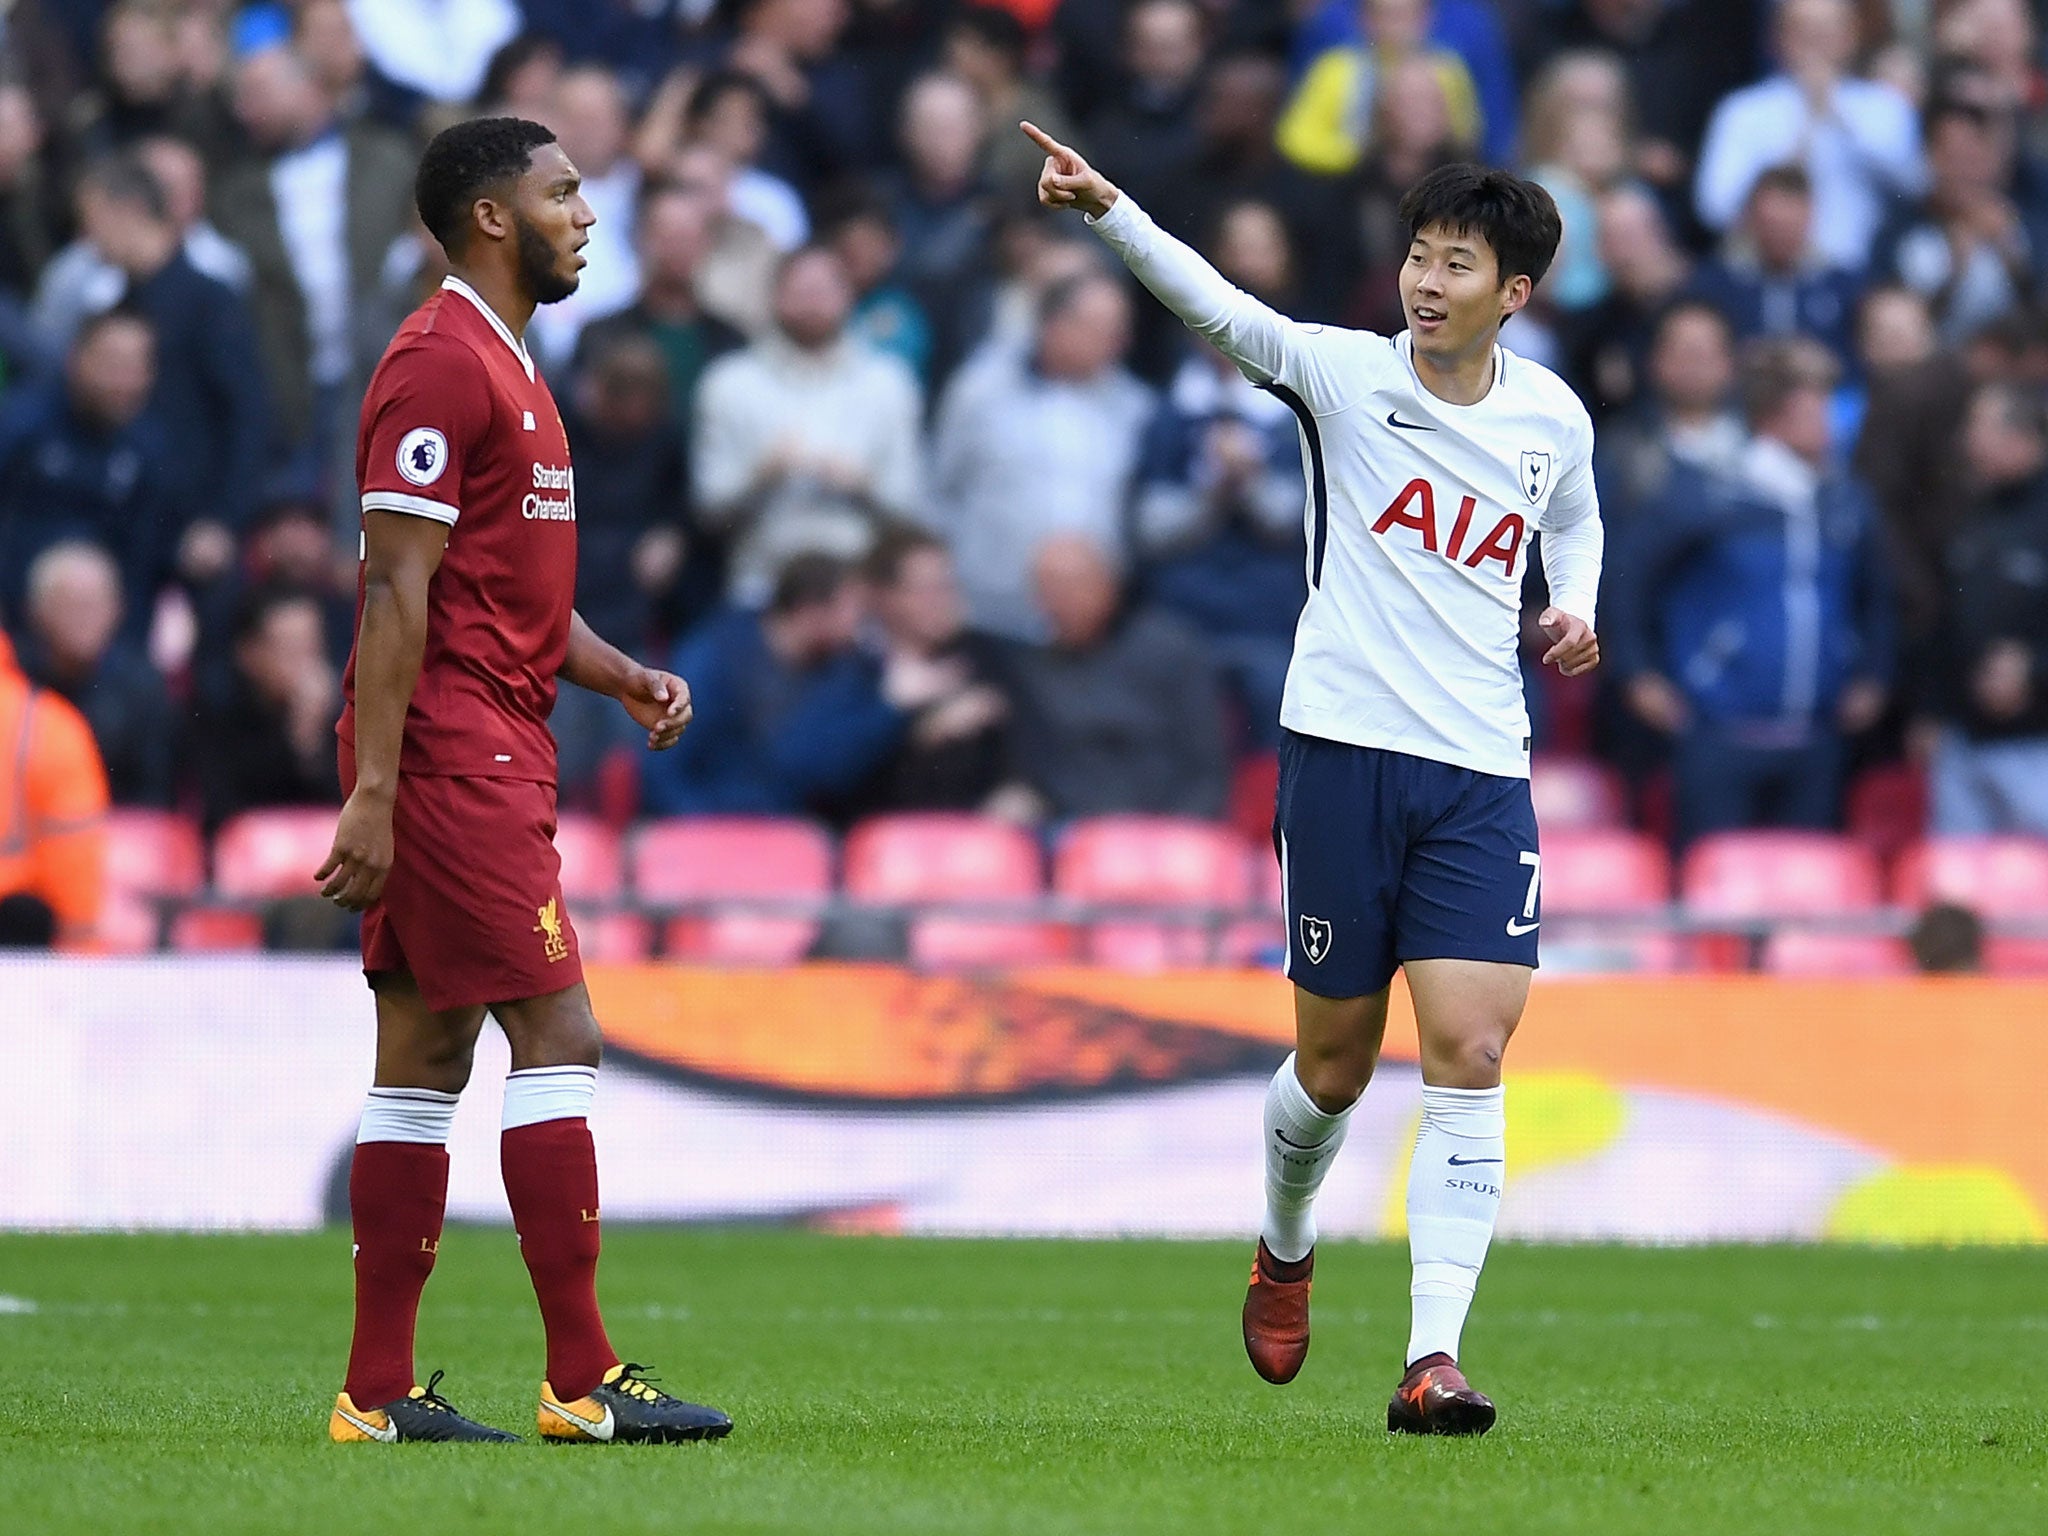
<point>473,905</point>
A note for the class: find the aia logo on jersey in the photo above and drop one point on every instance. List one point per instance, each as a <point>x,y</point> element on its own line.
<point>1415,507</point>
<point>422,455</point>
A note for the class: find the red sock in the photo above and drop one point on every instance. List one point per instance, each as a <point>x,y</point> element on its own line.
<point>397,1195</point>
<point>551,1180</point>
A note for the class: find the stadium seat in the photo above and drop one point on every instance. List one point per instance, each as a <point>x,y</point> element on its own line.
<point>152,856</point>
<point>212,929</point>
<point>1998,876</point>
<point>1163,862</point>
<point>272,852</point>
<point>1756,876</point>
<point>962,943</point>
<point>593,860</point>
<point>2004,956</point>
<point>1591,874</point>
<point>1806,952</point>
<point>1602,870</point>
<point>703,860</point>
<point>936,858</point>
<point>613,937</point>
<point>1574,793</point>
<point>1778,874</point>
<point>939,857</point>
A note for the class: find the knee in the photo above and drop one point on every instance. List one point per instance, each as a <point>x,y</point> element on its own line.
<point>441,1066</point>
<point>1333,1079</point>
<point>1470,1061</point>
<point>566,1037</point>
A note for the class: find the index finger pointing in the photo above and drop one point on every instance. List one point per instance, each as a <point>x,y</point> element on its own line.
<point>1046,141</point>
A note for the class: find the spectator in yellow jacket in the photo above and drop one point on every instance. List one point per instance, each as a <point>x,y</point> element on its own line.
<point>1328,125</point>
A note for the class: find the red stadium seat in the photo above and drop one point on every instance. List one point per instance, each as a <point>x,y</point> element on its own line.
<point>1593,873</point>
<point>1153,861</point>
<point>2015,956</point>
<point>1778,874</point>
<point>960,943</point>
<point>1575,793</point>
<point>593,860</point>
<point>934,858</point>
<point>1998,876</point>
<point>1594,870</point>
<point>1805,952</point>
<point>704,859</point>
<point>614,937</point>
<point>151,856</point>
<point>211,929</point>
<point>272,852</point>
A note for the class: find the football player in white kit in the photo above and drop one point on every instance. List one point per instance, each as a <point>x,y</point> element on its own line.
<point>1404,828</point>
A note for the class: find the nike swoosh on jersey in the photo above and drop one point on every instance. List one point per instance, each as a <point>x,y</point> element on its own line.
<point>388,1434</point>
<point>597,1429</point>
<point>1517,928</point>
<point>1394,420</point>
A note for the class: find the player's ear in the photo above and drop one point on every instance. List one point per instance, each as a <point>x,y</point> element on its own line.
<point>1514,293</point>
<point>491,217</point>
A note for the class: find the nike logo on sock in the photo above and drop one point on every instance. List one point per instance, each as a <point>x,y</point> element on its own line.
<point>1466,1162</point>
<point>1302,1146</point>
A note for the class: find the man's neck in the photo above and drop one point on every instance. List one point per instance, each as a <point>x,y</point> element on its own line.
<point>501,292</point>
<point>1462,380</point>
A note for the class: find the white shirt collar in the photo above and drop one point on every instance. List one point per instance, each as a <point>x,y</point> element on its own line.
<point>457,285</point>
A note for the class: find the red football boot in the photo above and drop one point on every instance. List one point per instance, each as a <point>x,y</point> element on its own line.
<point>1276,1314</point>
<point>1434,1398</point>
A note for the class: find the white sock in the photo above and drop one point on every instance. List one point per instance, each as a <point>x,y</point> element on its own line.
<point>534,1095</point>
<point>1301,1141</point>
<point>1453,1200</point>
<point>421,1116</point>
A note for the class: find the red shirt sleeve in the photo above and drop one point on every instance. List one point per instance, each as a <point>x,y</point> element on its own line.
<point>429,409</point>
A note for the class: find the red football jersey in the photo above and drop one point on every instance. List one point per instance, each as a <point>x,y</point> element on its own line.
<point>457,426</point>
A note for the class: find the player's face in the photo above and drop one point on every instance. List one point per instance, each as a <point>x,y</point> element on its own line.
<point>1452,295</point>
<point>553,222</point>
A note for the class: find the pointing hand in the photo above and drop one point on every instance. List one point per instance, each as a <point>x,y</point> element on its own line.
<point>1068,181</point>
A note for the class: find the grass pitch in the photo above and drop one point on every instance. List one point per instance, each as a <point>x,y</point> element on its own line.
<point>890,1386</point>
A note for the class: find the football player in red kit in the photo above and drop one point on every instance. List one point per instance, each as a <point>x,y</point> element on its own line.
<point>446,842</point>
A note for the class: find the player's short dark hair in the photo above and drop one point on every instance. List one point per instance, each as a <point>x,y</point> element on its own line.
<point>124,177</point>
<point>464,162</point>
<point>808,580</point>
<point>1514,216</point>
<point>1790,178</point>
<point>893,550</point>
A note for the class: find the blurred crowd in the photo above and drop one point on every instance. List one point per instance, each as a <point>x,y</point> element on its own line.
<point>929,504</point>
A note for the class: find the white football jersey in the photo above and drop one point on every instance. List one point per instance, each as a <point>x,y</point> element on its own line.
<point>1420,518</point>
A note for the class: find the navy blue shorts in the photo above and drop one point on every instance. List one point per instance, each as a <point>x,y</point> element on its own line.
<point>1386,857</point>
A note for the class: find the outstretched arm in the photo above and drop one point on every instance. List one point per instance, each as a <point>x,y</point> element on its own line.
<point>1267,347</point>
